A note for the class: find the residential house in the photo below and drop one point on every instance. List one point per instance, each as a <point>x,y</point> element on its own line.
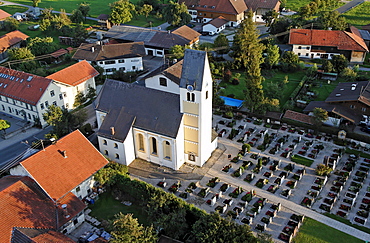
<point>203,11</point>
<point>64,171</point>
<point>10,40</point>
<point>27,96</point>
<point>3,16</point>
<point>261,7</point>
<point>126,57</point>
<point>28,213</point>
<point>168,122</point>
<point>156,42</point>
<point>324,44</point>
<point>215,26</point>
<point>346,104</point>
<point>79,77</point>
<point>103,20</point>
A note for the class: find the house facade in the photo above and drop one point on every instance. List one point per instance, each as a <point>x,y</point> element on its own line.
<point>10,40</point>
<point>215,26</point>
<point>78,78</point>
<point>172,123</point>
<point>261,7</point>
<point>324,44</point>
<point>125,57</point>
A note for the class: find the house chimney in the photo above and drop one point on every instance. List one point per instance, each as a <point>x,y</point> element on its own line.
<point>112,131</point>
<point>92,49</point>
<point>64,153</point>
<point>65,211</point>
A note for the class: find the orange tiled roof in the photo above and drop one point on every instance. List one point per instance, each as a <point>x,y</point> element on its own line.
<point>22,86</point>
<point>4,15</point>
<point>218,22</point>
<point>75,74</point>
<point>74,207</point>
<point>11,39</point>
<point>58,175</point>
<point>218,6</point>
<point>22,205</point>
<point>343,40</point>
<point>187,33</point>
<point>298,117</point>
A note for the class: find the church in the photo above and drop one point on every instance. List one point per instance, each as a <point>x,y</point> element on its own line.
<point>167,122</point>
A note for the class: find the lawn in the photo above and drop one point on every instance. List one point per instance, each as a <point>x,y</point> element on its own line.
<point>359,15</point>
<point>295,5</point>
<point>106,207</point>
<point>347,222</point>
<point>313,231</point>
<point>301,160</point>
<point>12,9</point>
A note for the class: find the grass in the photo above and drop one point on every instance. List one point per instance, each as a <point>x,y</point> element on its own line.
<point>357,152</point>
<point>313,231</point>
<point>237,90</point>
<point>301,160</point>
<point>347,222</point>
<point>143,22</point>
<point>12,9</point>
<point>106,207</point>
<point>359,15</point>
<point>295,5</point>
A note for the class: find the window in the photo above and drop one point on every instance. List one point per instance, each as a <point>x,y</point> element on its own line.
<point>363,109</point>
<point>75,221</point>
<point>154,146</point>
<point>122,69</point>
<point>159,53</point>
<point>116,156</point>
<point>121,61</point>
<point>192,97</point>
<point>10,110</point>
<point>299,47</point>
<point>106,152</point>
<point>318,54</point>
<point>110,62</point>
<point>115,145</point>
<point>104,142</point>
<point>166,150</point>
<point>64,94</point>
<point>101,62</point>
<point>206,94</point>
<point>46,103</point>
<point>352,106</point>
<point>16,112</point>
<point>109,70</point>
<point>29,116</point>
<point>78,189</point>
<point>163,82</point>
<point>307,47</point>
<point>133,68</point>
<point>42,106</point>
<point>140,139</point>
<point>52,93</point>
<point>67,105</point>
<point>306,54</point>
<point>299,54</point>
<point>60,96</point>
<point>3,107</point>
<point>54,103</point>
<point>191,157</point>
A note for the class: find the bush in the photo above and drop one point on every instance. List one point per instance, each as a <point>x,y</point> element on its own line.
<point>235,81</point>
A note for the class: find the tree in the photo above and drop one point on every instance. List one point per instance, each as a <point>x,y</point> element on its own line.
<point>45,24</point>
<point>126,228</point>
<point>176,14</point>
<point>312,71</point>
<point>269,17</point>
<point>320,115</point>
<point>222,43</point>
<point>290,57</point>
<point>59,21</point>
<point>53,115</point>
<point>41,46</point>
<point>10,24</point>
<point>327,66</point>
<point>177,51</point>
<point>273,55</point>
<point>91,92</point>
<point>84,9</point>
<point>106,175</point>
<point>4,124</point>
<point>340,62</point>
<point>20,53</point>
<point>47,13</point>
<point>79,99</point>
<point>146,9</point>
<point>77,16</point>
<point>323,170</point>
<point>35,3</point>
<point>349,74</point>
<point>332,20</point>
<point>121,12</point>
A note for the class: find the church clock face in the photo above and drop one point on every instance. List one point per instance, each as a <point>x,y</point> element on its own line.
<point>190,88</point>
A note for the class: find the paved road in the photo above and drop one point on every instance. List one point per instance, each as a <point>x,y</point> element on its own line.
<point>349,6</point>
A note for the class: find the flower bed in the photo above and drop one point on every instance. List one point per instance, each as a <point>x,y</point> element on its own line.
<point>344,207</point>
<point>183,195</point>
<point>325,207</point>
<point>332,195</point>
<point>342,214</point>
<point>162,184</point>
<point>328,201</point>
<point>260,203</point>
<point>289,167</point>
<point>267,174</point>
<point>248,196</point>
<point>175,187</point>
<point>204,192</point>
<point>319,181</point>
<point>363,213</point>
<point>291,184</point>
<point>297,218</point>
<point>278,181</point>
<point>265,220</point>
<point>224,187</point>
<point>246,221</point>
<point>307,202</point>
<point>237,191</point>
<point>249,178</point>
<point>213,182</point>
<point>366,201</point>
<point>226,168</point>
<point>313,194</point>
<point>285,237</point>
<point>272,188</point>
<point>261,182</point>
<point>360,221</point>
<point>285,193</point>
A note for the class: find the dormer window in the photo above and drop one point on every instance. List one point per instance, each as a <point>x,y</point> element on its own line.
<point>205,6</point>
<point>163,82</point>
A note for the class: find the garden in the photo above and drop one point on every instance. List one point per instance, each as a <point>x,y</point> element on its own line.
<point>359,15</point>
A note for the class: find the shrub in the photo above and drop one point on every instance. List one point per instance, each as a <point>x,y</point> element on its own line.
<point>235,81</point>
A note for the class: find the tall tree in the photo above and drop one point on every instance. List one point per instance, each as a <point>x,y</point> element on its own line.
<point>176,14</point>
<point>77,16</point>
<point>146,9</point>
<point>121,12</point>
<point>84,8</point>
<point>327,66</point>
<point>248,53</point>
<point>272,55</point>
<point>269,17</point>
<point>20,53</point>
<point>221,44</point>
<point>340,62</point>
<point>333,20</point>
<point>41,46</point>
<point>320,115</point>
<point>35,3</point>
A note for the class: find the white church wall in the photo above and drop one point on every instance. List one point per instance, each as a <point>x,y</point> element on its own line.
<point>154,83</point>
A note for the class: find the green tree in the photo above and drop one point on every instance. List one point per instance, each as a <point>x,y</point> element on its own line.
<point>47,13</point>
<point>45,24</point>
<point>333,20</point>
<point>323,170</point>
<point>4,124</point>
<point>126,228</point>
<point>77,16</point>
<point>327,66</point>
<point>10,24</point>
<point>176,14</point>
<point>84,9</point>
<point>106,175</point>
<point>79,99</point>
<point>320,115</point>
<point>35,3</point>
<point>41,46</point>
<point>312,71</point>
<point>340,62</point>
<point>177,51</point>
<point>59,21</point>
<point>20,53</point>
<point>269,17</point>
<point>349,74</point>
<point>121,12</point>
<point>91,92</point>
<point>272,55</point>
<point>53,115</point>
<point>221,44</point>
<point>290,57</point>
<point>146,9</point>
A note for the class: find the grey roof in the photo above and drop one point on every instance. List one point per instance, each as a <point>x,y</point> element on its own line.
<point>155,38</point>
<point>193,69</point>
<point>350,91</point>
<point>155,111</point>
<point>365,34</point>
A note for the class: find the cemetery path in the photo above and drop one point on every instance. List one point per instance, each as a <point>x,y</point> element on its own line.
<point>291,205</point>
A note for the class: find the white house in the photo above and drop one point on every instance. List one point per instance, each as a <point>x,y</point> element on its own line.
<point>26,96</point>
<point>64,171</point>
<point>215,26</point>
<point>168,122</point>
<point>126,57</point>
<point>74,79</point>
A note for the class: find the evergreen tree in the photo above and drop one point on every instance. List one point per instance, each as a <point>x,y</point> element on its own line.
<point>84,8</point>
<point>77,16</point>
<point>273,55</point>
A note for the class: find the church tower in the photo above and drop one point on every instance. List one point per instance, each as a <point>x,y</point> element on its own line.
<point>196,106</point>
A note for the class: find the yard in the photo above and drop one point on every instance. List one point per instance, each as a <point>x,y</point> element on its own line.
<point>12,9</point>
<point>106,207</point>
<point>313,231</point>
<point>359,15</point>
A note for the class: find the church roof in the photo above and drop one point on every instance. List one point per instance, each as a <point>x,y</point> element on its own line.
<point>193,68</point>
<point>154,110</point>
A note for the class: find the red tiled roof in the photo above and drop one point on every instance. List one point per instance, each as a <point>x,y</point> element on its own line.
<point>298,117</point>
<point>22,205</point>
<point>75,74</point>
<point>218,22</point>
<point>187,33</point>
<point>58,175</point>
<point>220,6</point>
<point>266,4</point>
<point>74,207</point>
<point>59,53</point>
<point>11,39</point>
<point>4,15</point>
<point>14,84</point>
<point>343,40</point>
